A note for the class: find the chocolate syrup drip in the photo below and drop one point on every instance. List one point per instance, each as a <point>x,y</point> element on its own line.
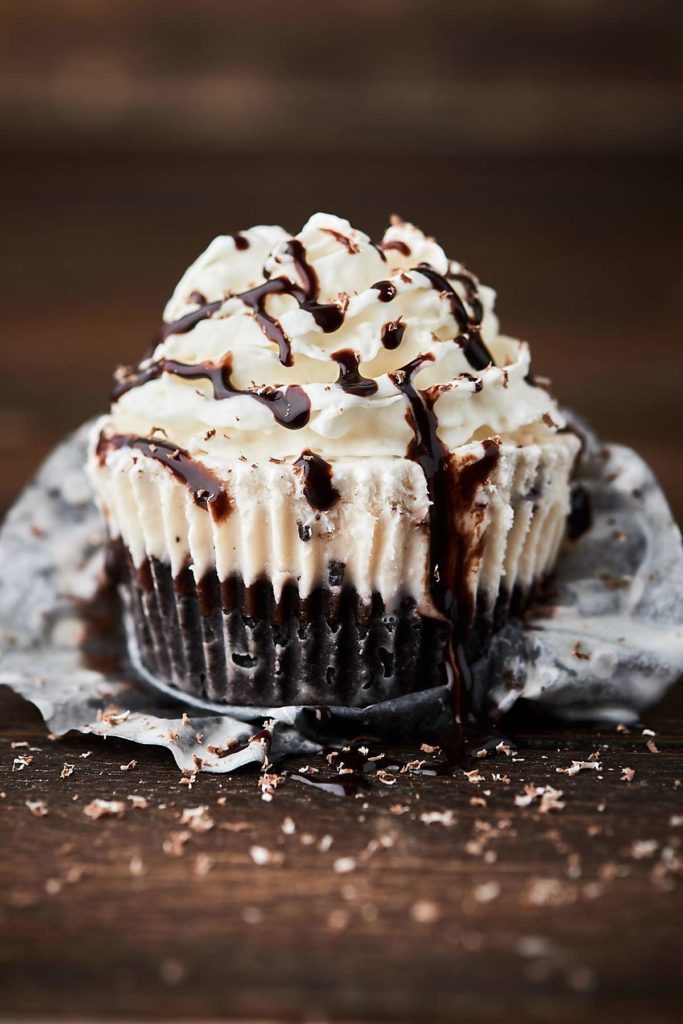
<point>187,322</point>
<point>398,245</point>
<point>207,490</point>
<point>327,316</point>
<point>469,325</point>
<point>190,320</point>
<point>129,378</point>
<point>386,290</point>
<point>437,281</point>
<point>295,249</point>
<point>317,474</point>
<point>431,455</point>
<point>290,406</point>
<point>351,247</point>
<point>350,378</point>
<point>240,241</point>
<point>472,290</point>
<point>472,475</point>
<point>476,352</point>
<point>392,333</point>
<point>449,494</point>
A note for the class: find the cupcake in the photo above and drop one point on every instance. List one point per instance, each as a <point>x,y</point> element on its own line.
<point>331,477</point>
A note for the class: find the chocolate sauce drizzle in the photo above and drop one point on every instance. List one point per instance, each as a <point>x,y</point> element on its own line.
<point>449,493</point>
<point>475,473</point>
<point>290,406</point>
<point>319,490</point>
<point>476,352</point>
<point>431,455</point>
<point>469,324</point>
<point>472,290</point>
<point>350,378</point>
<point>386,290</point>
<point>187,322</point>
<point>398,245</point>
<point>392,333</point>
<point>351,247</point>
<point>328,316</point>
<point>207,489</point>
<point>128,377</point>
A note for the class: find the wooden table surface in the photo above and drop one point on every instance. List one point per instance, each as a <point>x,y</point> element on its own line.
<point>428,899</point>
<point>483,909</point>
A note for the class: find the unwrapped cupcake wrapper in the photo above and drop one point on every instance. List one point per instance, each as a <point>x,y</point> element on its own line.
<point>630,637</point>
<point>345,640</point>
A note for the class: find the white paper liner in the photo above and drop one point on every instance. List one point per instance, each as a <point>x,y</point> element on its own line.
<point>610,642</point>
<point>608,645</point>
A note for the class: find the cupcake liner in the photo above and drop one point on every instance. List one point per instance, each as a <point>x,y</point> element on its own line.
<point>229,643</point>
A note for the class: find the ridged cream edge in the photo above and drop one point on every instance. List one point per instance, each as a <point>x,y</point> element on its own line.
<point>378,529</point>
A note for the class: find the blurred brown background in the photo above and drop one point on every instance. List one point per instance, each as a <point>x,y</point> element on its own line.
<point>541,141</point>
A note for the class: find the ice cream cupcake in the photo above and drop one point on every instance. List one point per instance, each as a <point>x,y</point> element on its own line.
<point>331,476</point>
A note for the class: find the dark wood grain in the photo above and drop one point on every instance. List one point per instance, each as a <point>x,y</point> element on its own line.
<point>419,76</point>
<point>571,915</point>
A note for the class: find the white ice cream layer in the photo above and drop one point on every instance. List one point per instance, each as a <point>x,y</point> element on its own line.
<point>378,529</point>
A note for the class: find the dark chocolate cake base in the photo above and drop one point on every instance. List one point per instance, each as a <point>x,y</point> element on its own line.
<point>226,643</point>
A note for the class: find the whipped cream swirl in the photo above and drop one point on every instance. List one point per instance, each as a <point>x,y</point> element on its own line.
<point>272,344</point>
